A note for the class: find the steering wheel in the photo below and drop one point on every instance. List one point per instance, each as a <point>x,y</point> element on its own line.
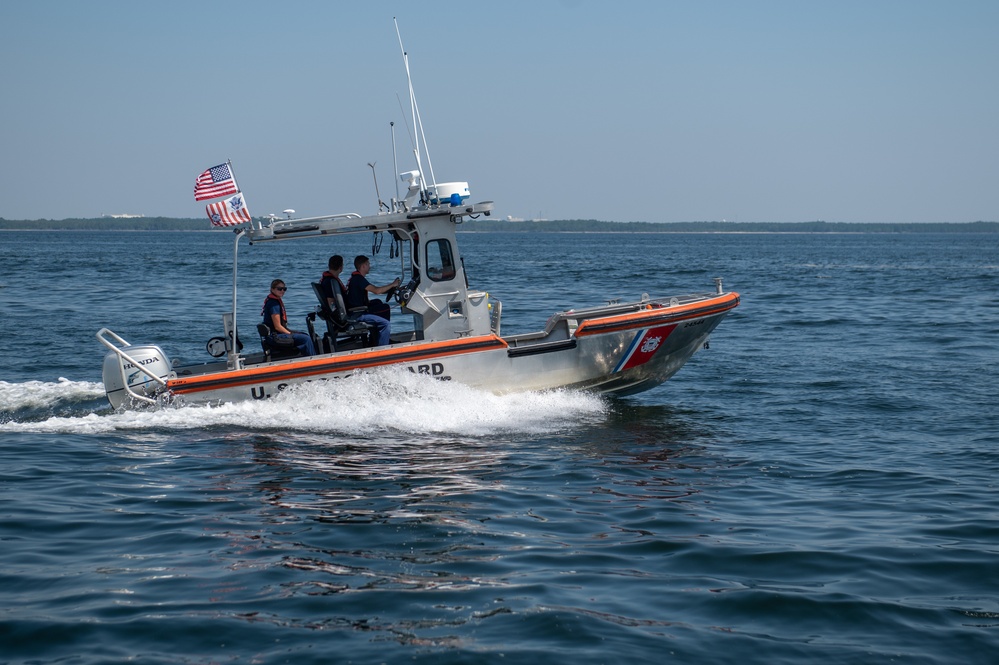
<point>392,293</point>
<point>404,293</point>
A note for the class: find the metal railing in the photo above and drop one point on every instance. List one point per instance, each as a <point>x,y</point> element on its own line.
<point>124,356</point>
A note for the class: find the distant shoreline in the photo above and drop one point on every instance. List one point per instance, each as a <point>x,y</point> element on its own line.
<point>546,226</point>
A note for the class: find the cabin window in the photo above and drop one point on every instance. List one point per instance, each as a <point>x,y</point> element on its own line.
<point>440,261</point>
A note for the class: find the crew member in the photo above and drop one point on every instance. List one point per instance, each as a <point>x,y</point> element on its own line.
<point>358,288</point>
<point>276,318</point>
<point>331,280</point>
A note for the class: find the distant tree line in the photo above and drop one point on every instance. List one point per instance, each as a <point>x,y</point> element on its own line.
<point>108,224</point>
<point>484,225</point>
<point>597,226</point>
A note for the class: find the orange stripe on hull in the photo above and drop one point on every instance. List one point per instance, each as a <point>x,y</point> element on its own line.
<point>657,316</point>
<point>317,366</point>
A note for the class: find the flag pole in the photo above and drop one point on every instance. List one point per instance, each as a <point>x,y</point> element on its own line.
<point>235,362</point>
<point>233,174</point>
<point>238,190</point>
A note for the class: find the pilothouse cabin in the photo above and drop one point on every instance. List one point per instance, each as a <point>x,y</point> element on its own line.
<point>435,290</point>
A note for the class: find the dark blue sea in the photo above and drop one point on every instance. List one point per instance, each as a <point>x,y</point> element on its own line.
<point>820,485</point>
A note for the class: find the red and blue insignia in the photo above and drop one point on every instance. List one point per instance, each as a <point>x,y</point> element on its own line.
<point>644,346</point>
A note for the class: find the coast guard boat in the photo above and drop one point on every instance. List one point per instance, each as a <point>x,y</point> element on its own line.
<point>617,348</point>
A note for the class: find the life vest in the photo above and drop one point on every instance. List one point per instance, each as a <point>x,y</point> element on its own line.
<point>327,286</point>
<point>267,318</point>
<point>356,297</point>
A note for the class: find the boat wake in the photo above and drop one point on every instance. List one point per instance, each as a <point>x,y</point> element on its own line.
<point>40,400</point>
<point>380,402</point>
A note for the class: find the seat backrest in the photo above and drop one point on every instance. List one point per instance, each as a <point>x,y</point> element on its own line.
<point>284,348</point>
<point>335,317</point>
<point>324,306</point>
<point>341,308</point>
<point>265,332</point>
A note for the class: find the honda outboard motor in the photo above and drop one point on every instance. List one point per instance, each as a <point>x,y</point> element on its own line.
<point>121,375</point>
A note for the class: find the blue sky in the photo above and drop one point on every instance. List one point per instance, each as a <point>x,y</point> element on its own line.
<point>773,110</point>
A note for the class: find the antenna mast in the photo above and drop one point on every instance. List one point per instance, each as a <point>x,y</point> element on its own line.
<point>381,204</point>
<point>417,120</point>
<point>395,164</point>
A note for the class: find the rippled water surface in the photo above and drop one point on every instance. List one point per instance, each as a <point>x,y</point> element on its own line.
<point>818,486</point>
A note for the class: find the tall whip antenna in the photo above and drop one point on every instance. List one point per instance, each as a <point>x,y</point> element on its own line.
<point>417,121</point>
<point>395,163</point>
<point>378,195</point>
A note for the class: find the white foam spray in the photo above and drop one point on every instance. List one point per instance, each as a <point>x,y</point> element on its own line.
<point>42,394</point>
<point>383,401</point>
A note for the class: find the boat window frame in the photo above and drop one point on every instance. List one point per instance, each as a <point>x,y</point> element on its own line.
<point>446,268</point>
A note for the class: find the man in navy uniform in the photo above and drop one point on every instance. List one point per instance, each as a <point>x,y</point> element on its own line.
<point>374,311</point>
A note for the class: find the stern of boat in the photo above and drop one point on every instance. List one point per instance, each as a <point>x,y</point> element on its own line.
<point>132,374</point>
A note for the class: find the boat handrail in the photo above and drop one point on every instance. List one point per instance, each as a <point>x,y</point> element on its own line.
<point>633,306</point>
<point>121,354</point>
<point>442,294</point>
<point>321,218</point>
<point>614,309</point>
<point>610,309</point>
<point>351,222</point>
<point>303,227</point>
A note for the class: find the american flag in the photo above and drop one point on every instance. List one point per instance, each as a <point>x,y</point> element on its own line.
<point>215,182</point>
<point>230,212</point>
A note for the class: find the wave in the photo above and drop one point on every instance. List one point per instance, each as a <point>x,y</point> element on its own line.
<point>32,394</point>
<point>39,400</point>
<point>382,401</point>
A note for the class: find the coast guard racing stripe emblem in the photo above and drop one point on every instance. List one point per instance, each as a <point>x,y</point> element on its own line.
<point>644,346</point>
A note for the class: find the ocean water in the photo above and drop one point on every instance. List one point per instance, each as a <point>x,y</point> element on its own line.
<point>820,485</point>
